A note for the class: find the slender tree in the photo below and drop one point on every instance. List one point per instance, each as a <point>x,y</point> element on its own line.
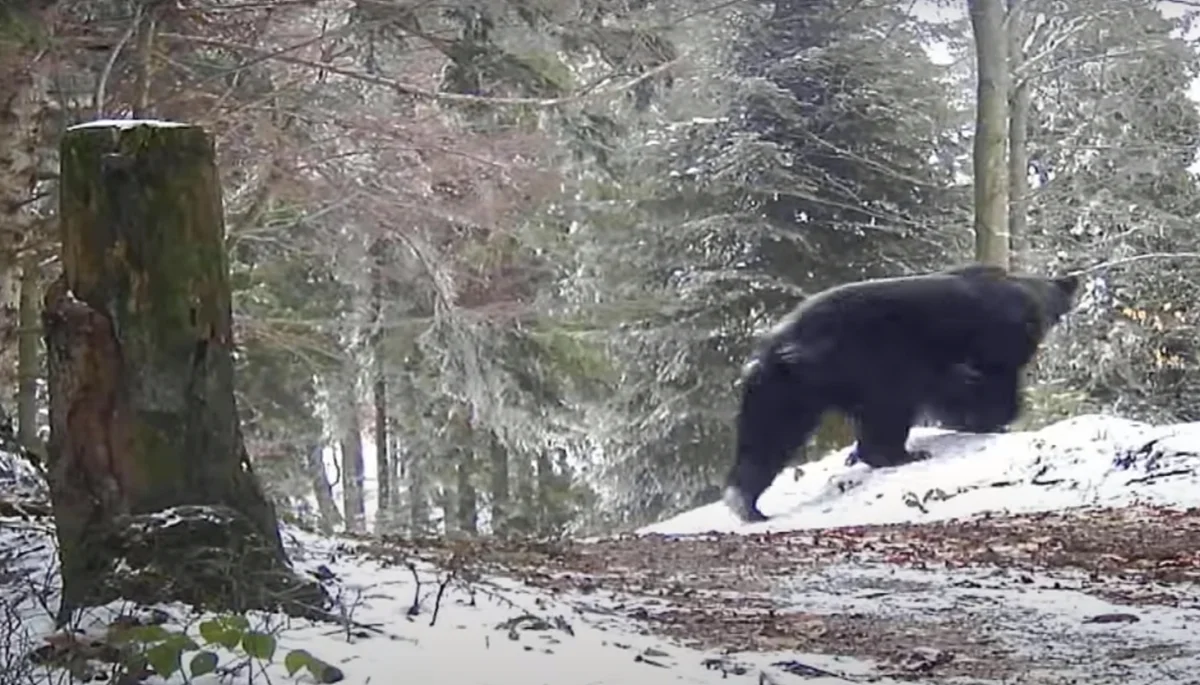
<point>991,131</point>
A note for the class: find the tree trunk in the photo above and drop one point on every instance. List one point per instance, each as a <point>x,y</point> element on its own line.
<point>444,498</point>
<point>467,507</point>
<point>500,487</point>
<point>28,356</point>
<point>10,317</point>
<point>1018,138</point>
<point>465,519</point>
<point>991,132</point>
<point>383,465</point>
<point>331,518</point>
<point>545,493</point>
<point>418,496</point>
<point>524,514</point>
<point>139,345</point>
<point>395,475</point>
<point>353,476</point>
<point>144,73</point>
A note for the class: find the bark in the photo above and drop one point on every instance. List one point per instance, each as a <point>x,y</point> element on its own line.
<point>467,511</point>
<point>28,356</point>
<point>10,298</point>
<point>395,475</point>
<point>524,514</point>
<point>139,345</point>
<point>331,518</point>
<point>445,498</point>
<point>1018,139</point>
<point>991,132</point>
<point>498,453</point>
<point>353,501</point>
<point>383,463</point>
<point>144,79</point>
<point>543,520</point>
<point>418,495</point>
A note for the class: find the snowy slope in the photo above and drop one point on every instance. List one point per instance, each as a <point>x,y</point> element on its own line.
<point>1084,461</point>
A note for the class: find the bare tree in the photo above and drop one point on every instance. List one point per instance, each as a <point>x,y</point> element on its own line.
<point>28,353</point>
<point>350,429</point>
<point>23,102</point>
<point>383,462</point>
<point>1018,135</point>
<point>500,486</point>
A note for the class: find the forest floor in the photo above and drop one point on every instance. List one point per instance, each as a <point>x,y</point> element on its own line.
<point>1081,595</point>
<point>1085,595</point>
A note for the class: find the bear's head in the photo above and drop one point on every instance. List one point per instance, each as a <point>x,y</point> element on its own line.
<point>1052,298</point>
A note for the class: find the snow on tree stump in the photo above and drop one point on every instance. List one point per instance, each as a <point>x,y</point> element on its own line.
<point>138,334</point>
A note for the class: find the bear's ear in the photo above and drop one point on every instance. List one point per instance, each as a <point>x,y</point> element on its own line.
<point>1067,285</point>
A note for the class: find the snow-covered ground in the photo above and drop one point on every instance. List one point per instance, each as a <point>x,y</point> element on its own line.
<point>488,630</point>
<point>1085,461</point>
<point>618,616</point>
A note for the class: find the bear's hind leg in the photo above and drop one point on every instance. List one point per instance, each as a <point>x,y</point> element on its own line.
<point>974,400</point>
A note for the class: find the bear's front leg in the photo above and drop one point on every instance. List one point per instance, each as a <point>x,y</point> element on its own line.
<point>882,433</point>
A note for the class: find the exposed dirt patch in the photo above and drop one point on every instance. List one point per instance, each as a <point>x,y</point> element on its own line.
<point>1148,544</point>
<point>948,599</point>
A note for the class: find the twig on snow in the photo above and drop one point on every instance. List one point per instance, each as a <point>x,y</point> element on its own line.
<point>437,601</point>
<point>1161,474</point>
<point>416,603</point>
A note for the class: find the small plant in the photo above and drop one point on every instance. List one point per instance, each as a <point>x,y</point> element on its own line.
<point>1049,403</point>
<point>161,651</point>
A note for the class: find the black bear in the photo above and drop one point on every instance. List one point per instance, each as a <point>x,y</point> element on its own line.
<point>951,344</point>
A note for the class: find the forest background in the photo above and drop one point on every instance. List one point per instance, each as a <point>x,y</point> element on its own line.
<point>497,263</point>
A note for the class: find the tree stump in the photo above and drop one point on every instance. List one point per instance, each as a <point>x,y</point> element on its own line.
<point>138,334</point>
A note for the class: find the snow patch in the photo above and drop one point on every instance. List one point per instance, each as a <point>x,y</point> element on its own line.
<point>1090,460</point>
<point>20,480</point>
<point>488,630</point>
<point>125,124</point>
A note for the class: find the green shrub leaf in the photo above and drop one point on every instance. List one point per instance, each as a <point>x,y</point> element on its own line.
<point>236,622</point>
<point>203,664</point>
<point>258,645</point>
<point>147,635</point>
<point>296,660</point>
<point>164,659</point>
<point>212,632</point>
<point>325,673</point>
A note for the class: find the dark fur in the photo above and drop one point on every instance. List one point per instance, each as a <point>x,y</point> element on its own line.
<point>884,351</point>
<point>969,402</point>
<point>972,401</point>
